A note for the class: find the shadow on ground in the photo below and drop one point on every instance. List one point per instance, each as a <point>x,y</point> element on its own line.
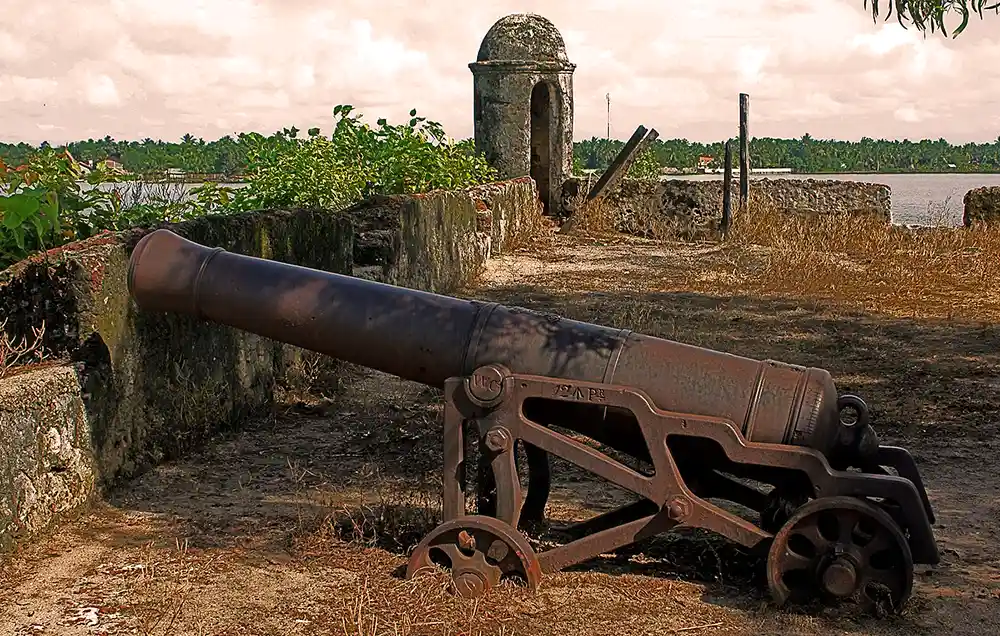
<point>365,466</point>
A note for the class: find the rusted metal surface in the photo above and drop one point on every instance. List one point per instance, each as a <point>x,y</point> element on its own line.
<point>480,551</point>
<point>698,423</point>
<point>845,548</point>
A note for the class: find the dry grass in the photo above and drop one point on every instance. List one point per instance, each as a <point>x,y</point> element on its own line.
<point>858,260</point>
<point>863,261</point>
<point>16,353</point>
<point>343,483</point>
<point>590,217</point>
<point>530,229</point>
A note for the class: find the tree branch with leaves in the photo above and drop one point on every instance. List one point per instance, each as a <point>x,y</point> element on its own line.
<point>930,15</point>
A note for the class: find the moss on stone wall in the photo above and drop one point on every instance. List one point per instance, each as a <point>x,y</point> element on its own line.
<point>159,384</point>
<point>150,386</point>
<point>440,240</point>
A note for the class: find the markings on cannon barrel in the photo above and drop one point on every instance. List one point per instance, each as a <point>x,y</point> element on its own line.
<point>579,393</point>
<point>487,382</point>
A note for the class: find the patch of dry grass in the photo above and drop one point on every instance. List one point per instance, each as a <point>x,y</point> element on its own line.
<point>18,353</point>
<point>861,261</point>
<point>853,260</point>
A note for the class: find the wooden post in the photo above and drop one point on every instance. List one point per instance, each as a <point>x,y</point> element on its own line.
<point>744,148</point>
<point>727,185</point>
<point>640,140</point>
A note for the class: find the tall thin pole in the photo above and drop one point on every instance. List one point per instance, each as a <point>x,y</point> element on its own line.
<point>608,97</point>
<point>727,185</point>
<point>744,148</point>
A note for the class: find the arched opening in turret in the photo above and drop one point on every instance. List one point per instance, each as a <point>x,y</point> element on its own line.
<point>542,113</point>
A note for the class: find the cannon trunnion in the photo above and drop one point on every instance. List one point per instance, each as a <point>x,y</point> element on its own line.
<point>682,428</point>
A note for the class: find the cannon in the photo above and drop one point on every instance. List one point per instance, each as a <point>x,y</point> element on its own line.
<point>696,435</point>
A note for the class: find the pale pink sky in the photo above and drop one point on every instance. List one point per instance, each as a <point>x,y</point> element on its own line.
<point>159,68</point>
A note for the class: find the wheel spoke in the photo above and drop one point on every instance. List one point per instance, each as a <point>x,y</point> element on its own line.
<point>878,543</point>
<point>473,575</point>
<point>792,560</point>
<point>812,534</point>
<point>454,554</point>
<point>491,572</point>
<point>845,516</point>
<point>847,521</point>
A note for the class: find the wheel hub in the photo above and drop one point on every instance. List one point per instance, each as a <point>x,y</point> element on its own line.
<point>840,578</point>
<point>470,584</point>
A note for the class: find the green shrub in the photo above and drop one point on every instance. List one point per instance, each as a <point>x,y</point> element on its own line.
<point>50,200</point>
<point>355,161</point>
<point>46,202</point>
<point>646,166</point>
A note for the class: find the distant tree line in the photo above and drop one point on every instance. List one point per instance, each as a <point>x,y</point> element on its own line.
<point>810,155</point>
<point>228,155</point>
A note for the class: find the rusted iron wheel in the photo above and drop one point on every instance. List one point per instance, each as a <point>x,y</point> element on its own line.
<point>841,549</point>
<point>480,551</point>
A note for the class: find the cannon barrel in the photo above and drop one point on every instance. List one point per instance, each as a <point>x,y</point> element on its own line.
<point>427,338</point>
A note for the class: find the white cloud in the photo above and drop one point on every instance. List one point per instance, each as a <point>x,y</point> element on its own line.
<point>750,61</point>
<point>138,68</point>
<point>100,90</point>
<point>27,90</point>
<point>908,114</point>
<point>11,48</point>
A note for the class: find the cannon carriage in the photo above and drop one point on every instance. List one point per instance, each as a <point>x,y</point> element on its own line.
<point>842,516</point>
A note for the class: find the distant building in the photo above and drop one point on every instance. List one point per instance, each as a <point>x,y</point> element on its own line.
<point>112,164</point>
<point>704,161</point>
<point>174,172</point>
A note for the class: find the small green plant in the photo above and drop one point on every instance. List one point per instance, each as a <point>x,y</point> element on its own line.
<point>355,161</point>
<point>646,166</point>
<point>49,201</point>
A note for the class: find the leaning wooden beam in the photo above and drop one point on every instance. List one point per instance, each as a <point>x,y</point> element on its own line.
<point>639,141</point>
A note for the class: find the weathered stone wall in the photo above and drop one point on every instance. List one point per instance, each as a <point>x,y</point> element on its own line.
<point>134,388</point>
<point>42,417</point>
<point>982,205</point>
<point>156,385</point>
<point>441,240</point>
<point>693,208</point>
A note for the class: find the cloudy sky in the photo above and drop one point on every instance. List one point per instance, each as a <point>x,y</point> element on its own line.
<point>160,68</point>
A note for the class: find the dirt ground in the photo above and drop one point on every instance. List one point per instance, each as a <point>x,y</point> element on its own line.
<point>300,524</point>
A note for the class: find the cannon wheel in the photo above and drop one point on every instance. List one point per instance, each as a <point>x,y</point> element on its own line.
<point>841,548</point>
<point>480,551</point>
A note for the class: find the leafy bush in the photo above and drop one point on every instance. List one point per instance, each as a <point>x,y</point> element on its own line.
<point>355,161</point>
<point>51,200</point>
<point>47,203</point>
<point>646,166</point>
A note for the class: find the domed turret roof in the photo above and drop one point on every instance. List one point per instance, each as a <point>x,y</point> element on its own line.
<point>523,37</point>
